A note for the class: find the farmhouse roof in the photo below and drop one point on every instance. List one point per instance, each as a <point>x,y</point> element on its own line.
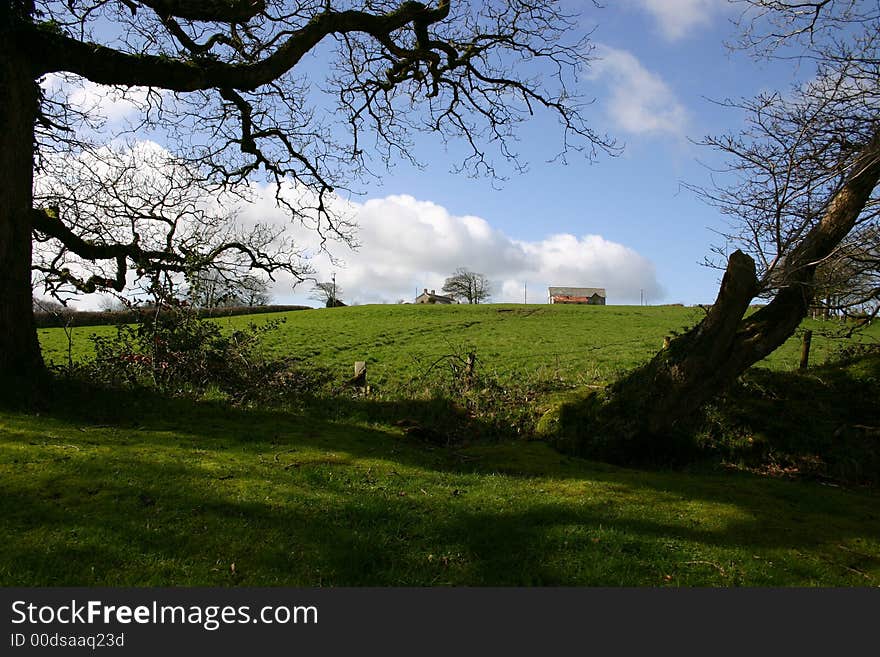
<point>577,291</point>
<point>433,297</point>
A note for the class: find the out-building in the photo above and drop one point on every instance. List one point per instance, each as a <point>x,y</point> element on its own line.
<point>593,296</point>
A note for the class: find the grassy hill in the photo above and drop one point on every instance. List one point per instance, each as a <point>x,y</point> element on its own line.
<point>399,342</point>
<point>129,488</point>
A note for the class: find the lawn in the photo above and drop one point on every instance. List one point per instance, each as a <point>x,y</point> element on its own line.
<point>128,488</point>
<point>136,490</point>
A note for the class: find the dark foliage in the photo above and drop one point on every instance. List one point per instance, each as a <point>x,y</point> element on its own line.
<point>823,424</point>
<point>111,317</point>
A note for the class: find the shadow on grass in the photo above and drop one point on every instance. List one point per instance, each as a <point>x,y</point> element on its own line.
<point>165,524</point>
<point>114,487</point>
<point>823,422</point>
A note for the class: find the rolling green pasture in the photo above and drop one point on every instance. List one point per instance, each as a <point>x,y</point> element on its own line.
<point>586,344</point>
<point>129,488</point>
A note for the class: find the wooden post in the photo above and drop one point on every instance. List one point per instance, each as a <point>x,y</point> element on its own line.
<point>360,374</point>
<point>805,349</point>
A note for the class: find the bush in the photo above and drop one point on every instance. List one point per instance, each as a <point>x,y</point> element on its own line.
<point>134,315</point>
<point>178,353</point>
<point>476,403</point>
<point>851,352</point>
<point>822,423</point>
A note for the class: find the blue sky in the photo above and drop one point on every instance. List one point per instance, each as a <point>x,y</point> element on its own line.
<point>659,64</point>
<point>623,223</point>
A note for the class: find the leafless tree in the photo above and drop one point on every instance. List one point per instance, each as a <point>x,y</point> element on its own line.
<point>161,214</point>
<point>110,303</point>
<point>214,288</point>
<point>848,285</point>
<point>800,190</point>
<point>328,293</point>
<point>63,316</point>
<point>223,85</point>
<point>468,286</point>
<point>44,305</point>
<point>252,291</point>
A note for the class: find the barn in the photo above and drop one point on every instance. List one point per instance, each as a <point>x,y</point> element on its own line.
<point>593,296</point>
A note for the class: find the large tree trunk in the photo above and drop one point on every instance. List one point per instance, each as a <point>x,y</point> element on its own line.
<point>19,350</point>
<point>643,412</point>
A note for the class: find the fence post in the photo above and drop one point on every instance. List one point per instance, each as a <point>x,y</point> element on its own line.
<point>805,349</point>
<point>360,375</point>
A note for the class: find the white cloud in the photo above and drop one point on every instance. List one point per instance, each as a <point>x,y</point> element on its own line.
<point>113,104</point>
<point>638,101</point>
<point>408,244</point>
<point>678,18</point>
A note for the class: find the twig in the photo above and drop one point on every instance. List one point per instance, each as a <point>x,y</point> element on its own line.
<point>708,563</point>
<point>286,451</point>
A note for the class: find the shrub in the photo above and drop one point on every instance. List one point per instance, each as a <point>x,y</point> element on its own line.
<point>822,423</point>
<point>134,315</point>
<point>179,353</point>
<point>478,403</point>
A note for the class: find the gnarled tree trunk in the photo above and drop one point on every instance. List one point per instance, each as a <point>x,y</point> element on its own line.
<point>642,411</point>
<point>19,350</point>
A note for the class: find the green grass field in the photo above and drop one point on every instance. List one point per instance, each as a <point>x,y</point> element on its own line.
<point>128,488</point>
<point>587,344</point>
<point>144,491</point>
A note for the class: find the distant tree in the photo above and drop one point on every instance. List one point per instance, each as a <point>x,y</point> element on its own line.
<point>328,293</point>
<point>468,286</point>
<point>110,303</point>
<point>848,283</point>
<point>215,288</point>
<point>42,305</point>
<point>253,291</point>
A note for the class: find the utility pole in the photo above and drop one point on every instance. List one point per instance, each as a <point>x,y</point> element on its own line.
<point>525,292</point>
<point>333,294</point>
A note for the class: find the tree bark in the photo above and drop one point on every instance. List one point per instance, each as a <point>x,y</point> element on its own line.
<point>641,411</point>
<point>20,356</point>
<point>642,414</point>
